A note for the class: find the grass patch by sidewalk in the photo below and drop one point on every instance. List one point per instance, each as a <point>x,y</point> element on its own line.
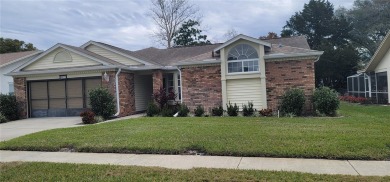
<point>18,171</point>
<point>363,133</point>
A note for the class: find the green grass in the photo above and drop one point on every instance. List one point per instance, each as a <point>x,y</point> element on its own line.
<point>86,172</point>
<point>363,133</point>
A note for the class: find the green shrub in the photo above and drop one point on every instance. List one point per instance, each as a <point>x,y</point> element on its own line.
<point>217,111</point>
<point>266,112</point>
<point>326,101</point>
<point>183,110</point>
<point>3,119</point>
<point>9,107</point>
<point>232,110</point>
<point>293,101</point>
<point>167,111</point>
<point>199,111</point>
<point>102,102</point>
<point>247,110</point>
<point>152,109</point>
<point>88,117</point>
<point>98,119</point>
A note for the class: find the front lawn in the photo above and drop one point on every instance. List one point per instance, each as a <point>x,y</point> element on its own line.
<point>363,133</point>
<point>87,172</point>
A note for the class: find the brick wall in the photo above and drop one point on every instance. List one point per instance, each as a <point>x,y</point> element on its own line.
<point>157,80</point>
<point>202,86</point>
<point>126,91</point>
<point>282,75</point>
<point>20,88</point>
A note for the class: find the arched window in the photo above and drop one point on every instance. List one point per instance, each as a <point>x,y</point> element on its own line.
<point>243,58</point>
<point>62,56</point>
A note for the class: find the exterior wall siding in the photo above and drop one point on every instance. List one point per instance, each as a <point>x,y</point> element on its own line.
<point>46,62</point>
<point>143,91</point>
<point>202,86</point>
<point>283,75</point>
<point>5,80</point>
<point>112,55</point>
<point>384,65</point>
<point>242,91</point>
<point>231,91</point>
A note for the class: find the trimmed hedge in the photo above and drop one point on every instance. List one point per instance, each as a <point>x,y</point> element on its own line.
<point>102,102</point>
<point>326,101</point>
<point>292,102</point>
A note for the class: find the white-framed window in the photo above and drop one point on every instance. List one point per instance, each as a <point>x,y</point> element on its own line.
<point>11,88</point>
<point>243,58</point>
<point>172,84</point>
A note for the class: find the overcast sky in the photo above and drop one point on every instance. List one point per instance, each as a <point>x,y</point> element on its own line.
<point>125,23</point>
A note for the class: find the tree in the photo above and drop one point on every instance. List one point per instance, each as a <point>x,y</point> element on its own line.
<point>318,23</point>
<point>370,20</point>
<point>231,33</point>
<point>271,35</point>
<point>189,34</point>
<point>335,65</point>
<point>169,15</point>
<point>329,33</point>
<point>14,45</point>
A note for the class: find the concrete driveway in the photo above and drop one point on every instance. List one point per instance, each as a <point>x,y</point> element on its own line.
<point>22,127</point>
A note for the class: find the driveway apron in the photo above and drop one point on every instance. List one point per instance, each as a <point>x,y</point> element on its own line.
<point>22,127</point>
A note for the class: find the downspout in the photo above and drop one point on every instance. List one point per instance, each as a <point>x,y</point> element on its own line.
<point>181,85</point>
<point>117,92</point>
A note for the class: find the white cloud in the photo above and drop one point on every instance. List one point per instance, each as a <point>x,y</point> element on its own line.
<point>125,23</point>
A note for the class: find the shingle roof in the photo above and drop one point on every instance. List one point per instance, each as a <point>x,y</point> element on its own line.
<point>283,49</point>
<point>176,55</point>
<point>297,41</point>
<point>171,56</point>
<point>127,52</point>
<point>9,57</point>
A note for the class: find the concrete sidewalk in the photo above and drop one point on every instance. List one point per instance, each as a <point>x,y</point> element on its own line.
<point>316,166</point>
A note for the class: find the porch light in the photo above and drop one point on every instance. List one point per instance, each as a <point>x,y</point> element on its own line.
<point>106,77</point>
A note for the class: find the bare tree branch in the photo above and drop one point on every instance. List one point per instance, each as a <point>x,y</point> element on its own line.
<point>169,15</point>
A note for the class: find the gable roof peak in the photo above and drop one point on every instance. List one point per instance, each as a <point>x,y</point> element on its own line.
<point>244,37</point>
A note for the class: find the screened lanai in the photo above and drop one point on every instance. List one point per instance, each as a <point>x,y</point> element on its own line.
<point>370,85</point>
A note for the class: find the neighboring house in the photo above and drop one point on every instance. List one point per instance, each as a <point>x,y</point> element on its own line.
<point>373,81</point>
<point>10,61</point>
<point>243,69</point>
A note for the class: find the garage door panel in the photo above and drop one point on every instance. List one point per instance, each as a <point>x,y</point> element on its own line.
<point>92,84</point>
<point>39,104</point>
<point>38,90</point>
<point>56,89</point>
<point>73,88</point>
<point>57,104</point>
<point>74,103</point>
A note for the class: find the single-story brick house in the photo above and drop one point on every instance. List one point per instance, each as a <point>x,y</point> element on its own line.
<point>373,81</point>
<point>56,83</point>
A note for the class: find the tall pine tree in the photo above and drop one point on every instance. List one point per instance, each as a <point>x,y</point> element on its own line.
<point>189,34</point>
<point>329,33</point>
